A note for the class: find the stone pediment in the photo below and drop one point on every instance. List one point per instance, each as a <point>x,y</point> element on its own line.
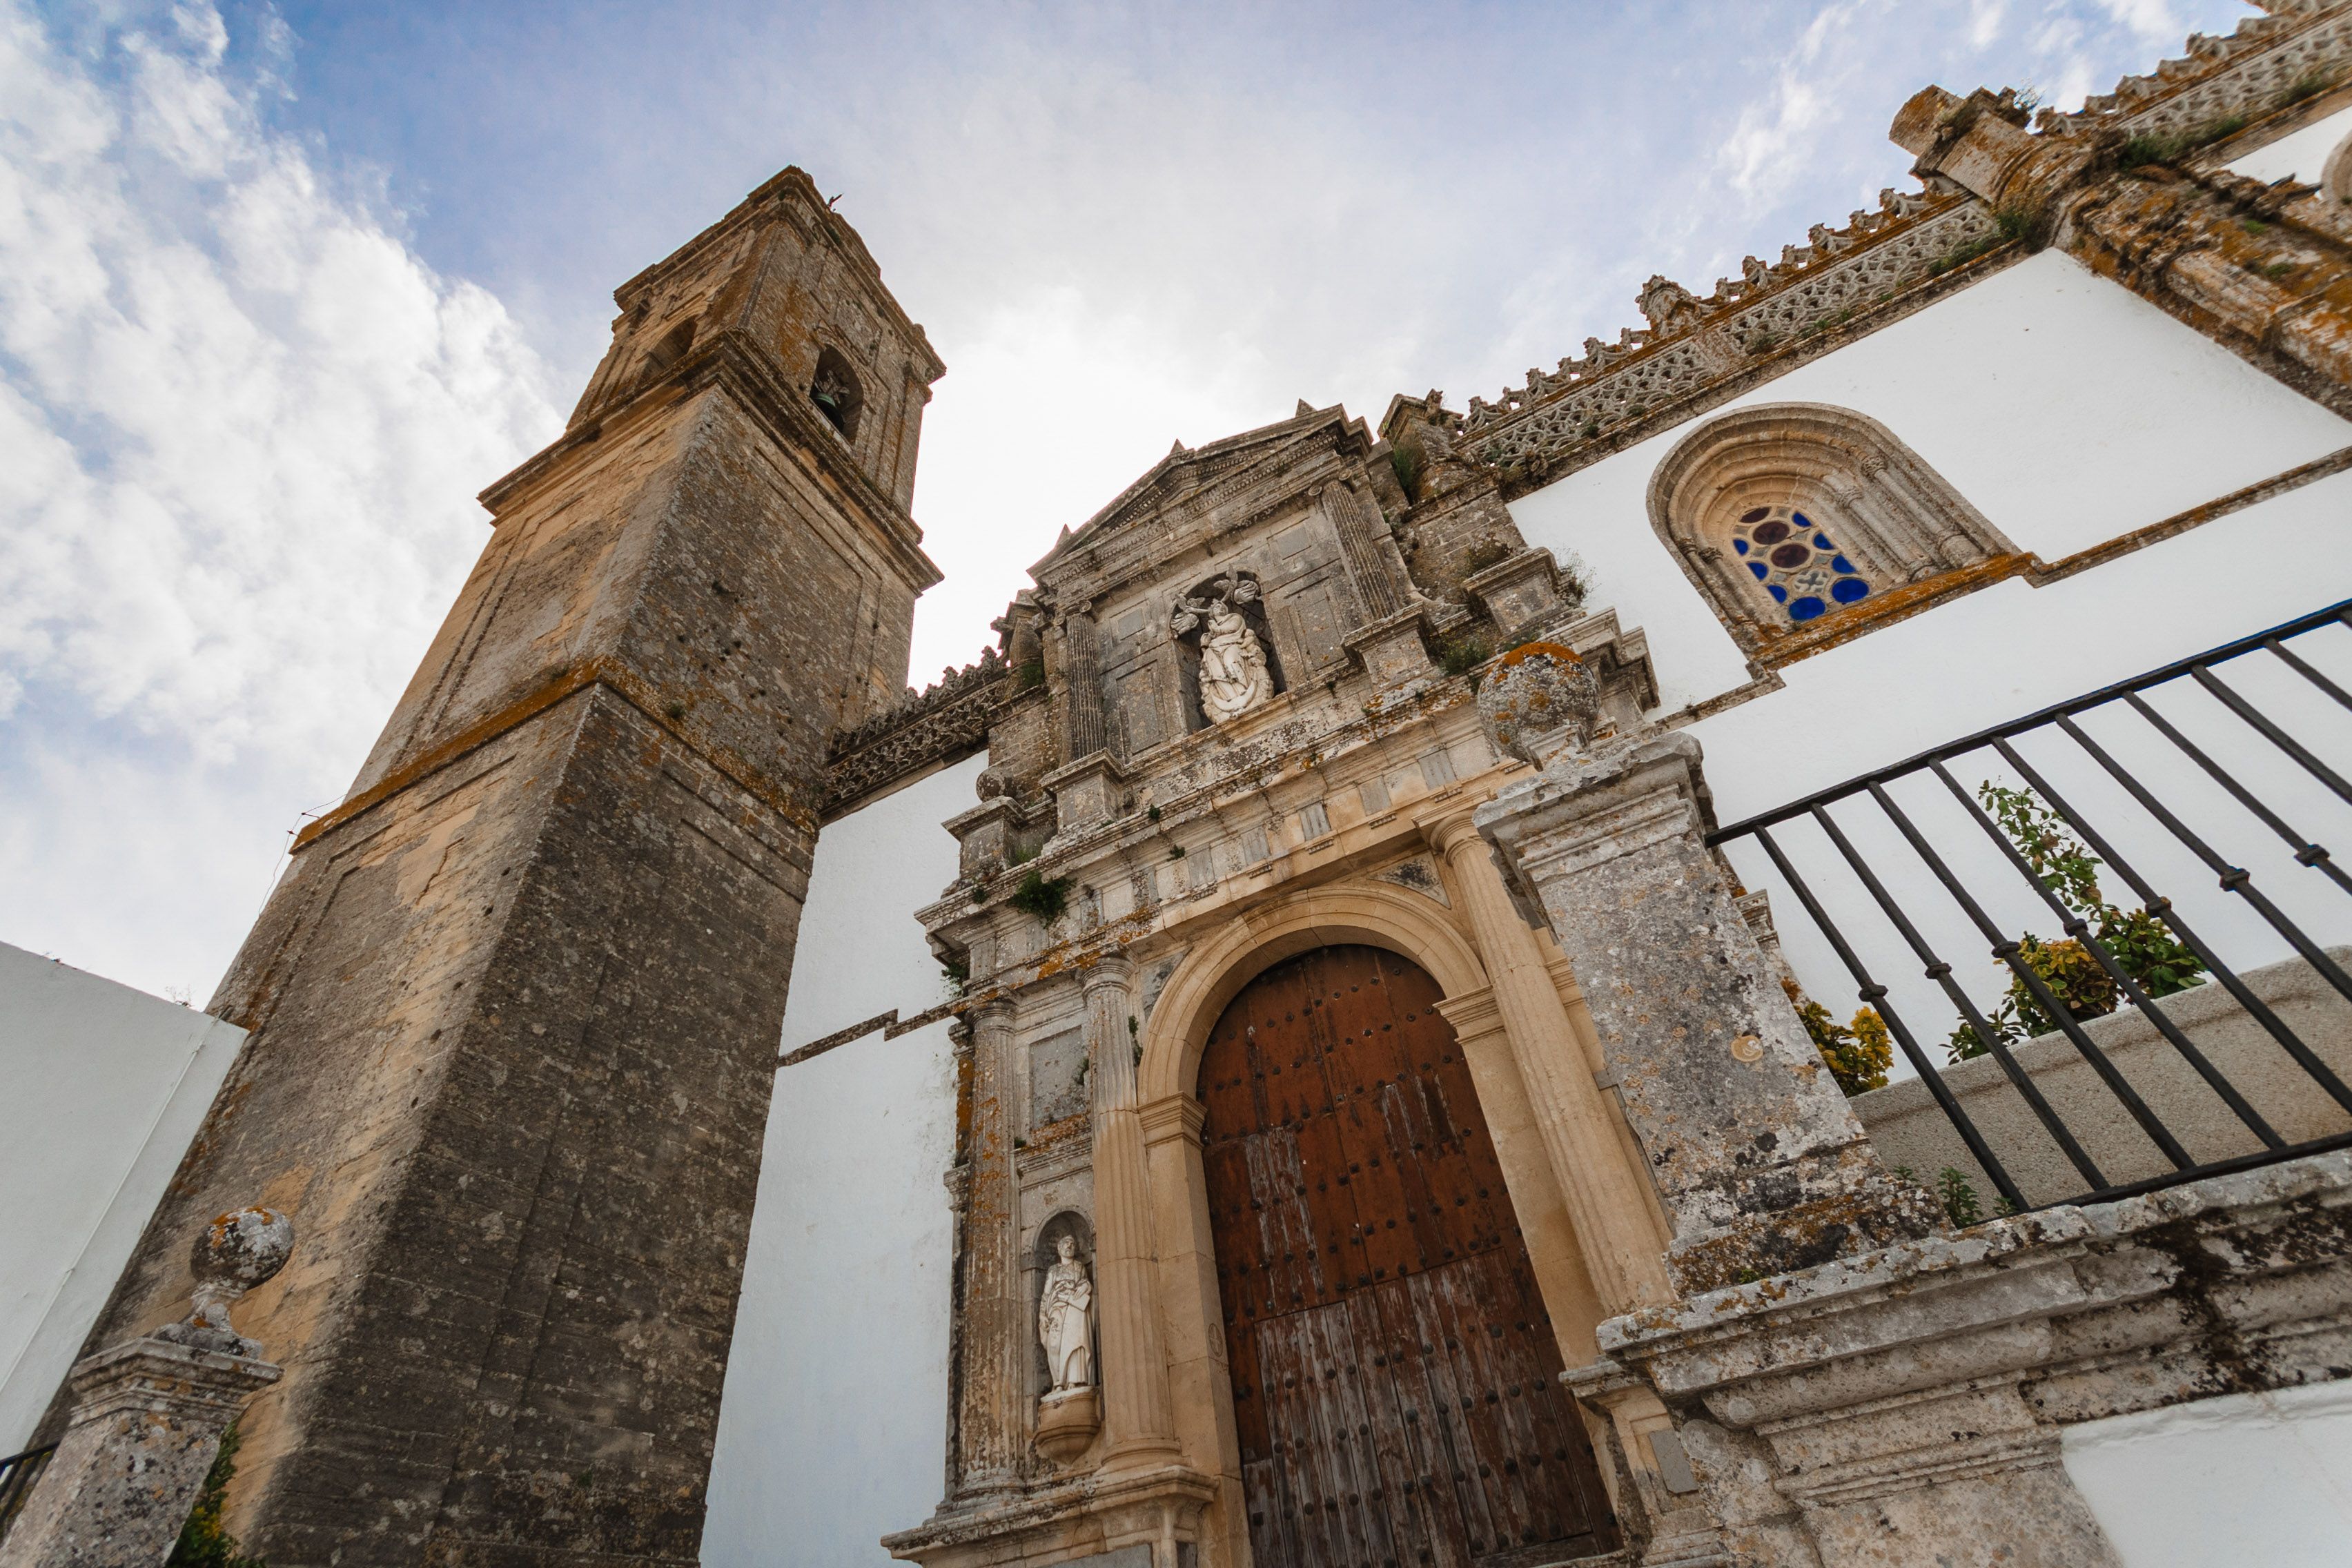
<point>1204,493</point>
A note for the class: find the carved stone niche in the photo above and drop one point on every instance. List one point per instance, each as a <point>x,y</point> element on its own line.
<point>989,833</point>
<point>1069,1408</point>
<point>1233,590</point>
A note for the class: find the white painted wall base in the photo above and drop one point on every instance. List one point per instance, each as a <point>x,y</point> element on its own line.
<point>101,1088</point>
<point>2221,1483</point>
<point>834,1425</point>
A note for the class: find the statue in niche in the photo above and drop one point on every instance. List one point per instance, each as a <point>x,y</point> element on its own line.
<point>1234,675</point>
<point>1065,1319</point>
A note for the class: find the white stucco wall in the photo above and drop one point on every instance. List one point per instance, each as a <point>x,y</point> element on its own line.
<point>2068,411</point>
<point>833,1427</point>
<point>103,1088</point>
<point>2250,1477</point>
<point>2301,153</point>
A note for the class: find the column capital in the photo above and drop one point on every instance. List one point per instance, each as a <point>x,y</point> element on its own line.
<point>1172,1116</point>
<point>1112,967</point>
<point>1455,828</point>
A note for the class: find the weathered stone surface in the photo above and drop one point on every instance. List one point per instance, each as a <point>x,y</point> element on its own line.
<point>147,1420</point>
<point>1903,1406</point>
<point>515,1004</point>
<point>1760,1165</point>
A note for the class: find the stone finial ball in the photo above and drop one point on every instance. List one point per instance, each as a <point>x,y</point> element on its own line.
<point>245,1247</point>
<point>1539,699</point>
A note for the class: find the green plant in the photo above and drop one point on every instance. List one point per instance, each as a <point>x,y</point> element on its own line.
<point>1763,342</point>
<point>202,1543</point>
<point>1407,458</point>
<point>2139,941</point>
<point>2171,146</point>
<point>1152,815</point>
<point>2253,226</point>
<point>1030,672</point>
<point>2310,84</point>
<point>1959,1196</point>
<point>2278,269</point>
<point>1175,852</point>
<point>1858,1053</point>
<point>675,709</point>
<point>957,973</point>
<point>1462,654</point>
<point>1591,428</point>
<point>1039,898</point>
<point>1637,410</point>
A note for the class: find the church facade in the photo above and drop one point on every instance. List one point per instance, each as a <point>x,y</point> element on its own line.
<point>1283,1060</point>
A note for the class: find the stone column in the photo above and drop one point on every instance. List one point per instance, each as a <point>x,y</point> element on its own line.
<point>1082,693</point>
<point>993,1395</point>
<point>1362,535</point>
<point>1761,1165</point>
<point>1139,1418</point>
<point>1606,1200</point>
<point>147,1417</point>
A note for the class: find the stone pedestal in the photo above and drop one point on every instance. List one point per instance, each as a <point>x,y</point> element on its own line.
<point>1760,1165</point>
<point>1394,649</point>
<point>1067,1423</point>
<point>1086,791</point>
<point>1520,590</point>
<point>147,1421</point>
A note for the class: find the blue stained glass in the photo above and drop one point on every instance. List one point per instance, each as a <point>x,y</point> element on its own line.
<point>1757,567</point>
<point>1806,608</point>
<point>1821,542</point>
<point>1802,520</point>
<point>1740,545</point>
<point>1843,564</point>
<point>1846,589</point>
<point>1779,593</point>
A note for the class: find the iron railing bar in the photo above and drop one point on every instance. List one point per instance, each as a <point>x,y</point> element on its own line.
<point>2294,661</point>
<point>2079,930</point>
<point>2269,731</point>
<point>2235,878</point>
<point>2005,949</point>
<point>2306,852</point>
<point>2235,1162</point>
<point>2340,612</point>
<point>1870,991</point>
<point>2160,906</point>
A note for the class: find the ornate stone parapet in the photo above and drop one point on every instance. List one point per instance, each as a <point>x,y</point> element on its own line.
<point>1903,1407</point>
<point>1761,1167</point>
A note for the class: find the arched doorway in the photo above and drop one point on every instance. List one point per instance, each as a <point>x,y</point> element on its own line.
<point>1395,1378</point>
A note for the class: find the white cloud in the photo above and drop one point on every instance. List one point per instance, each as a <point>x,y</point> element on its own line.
<point>240,429</point>
<point>2152,20</point>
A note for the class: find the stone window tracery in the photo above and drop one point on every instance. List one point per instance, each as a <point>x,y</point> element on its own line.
<point>1796,563</point>
<point>1788,516</point>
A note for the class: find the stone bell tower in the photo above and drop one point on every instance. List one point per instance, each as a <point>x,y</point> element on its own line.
<point>515,1003</point>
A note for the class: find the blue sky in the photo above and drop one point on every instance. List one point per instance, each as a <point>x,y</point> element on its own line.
<point>281,289</point>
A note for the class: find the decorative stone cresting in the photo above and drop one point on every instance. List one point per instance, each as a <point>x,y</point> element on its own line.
<point>148,1417</point>
<point>943,723</point>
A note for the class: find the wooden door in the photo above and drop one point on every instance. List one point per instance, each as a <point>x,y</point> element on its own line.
<point>1395,1378</point>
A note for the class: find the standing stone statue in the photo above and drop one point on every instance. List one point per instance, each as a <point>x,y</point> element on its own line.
<point>148,1417</point>
<point>1234,674</point>
<point>1065,1318</point>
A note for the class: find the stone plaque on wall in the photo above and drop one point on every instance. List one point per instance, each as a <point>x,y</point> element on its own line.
<point>1057,1078</point>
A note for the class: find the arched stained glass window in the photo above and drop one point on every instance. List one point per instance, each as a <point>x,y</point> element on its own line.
<point>1796,559</point>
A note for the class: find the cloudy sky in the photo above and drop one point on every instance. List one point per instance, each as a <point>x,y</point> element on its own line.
<point>281,288</point>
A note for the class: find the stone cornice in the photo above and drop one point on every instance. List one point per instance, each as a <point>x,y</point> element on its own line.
<point>732,362</point>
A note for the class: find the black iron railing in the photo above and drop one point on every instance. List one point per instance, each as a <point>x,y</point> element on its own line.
<point>18,1474</point>
<point>2200,788</point>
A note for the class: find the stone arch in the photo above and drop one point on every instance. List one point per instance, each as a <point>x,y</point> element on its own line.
<point>836,391</point>
<point>1210,975</point>
<point>2336,175</point>
<point>1841,476</point>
